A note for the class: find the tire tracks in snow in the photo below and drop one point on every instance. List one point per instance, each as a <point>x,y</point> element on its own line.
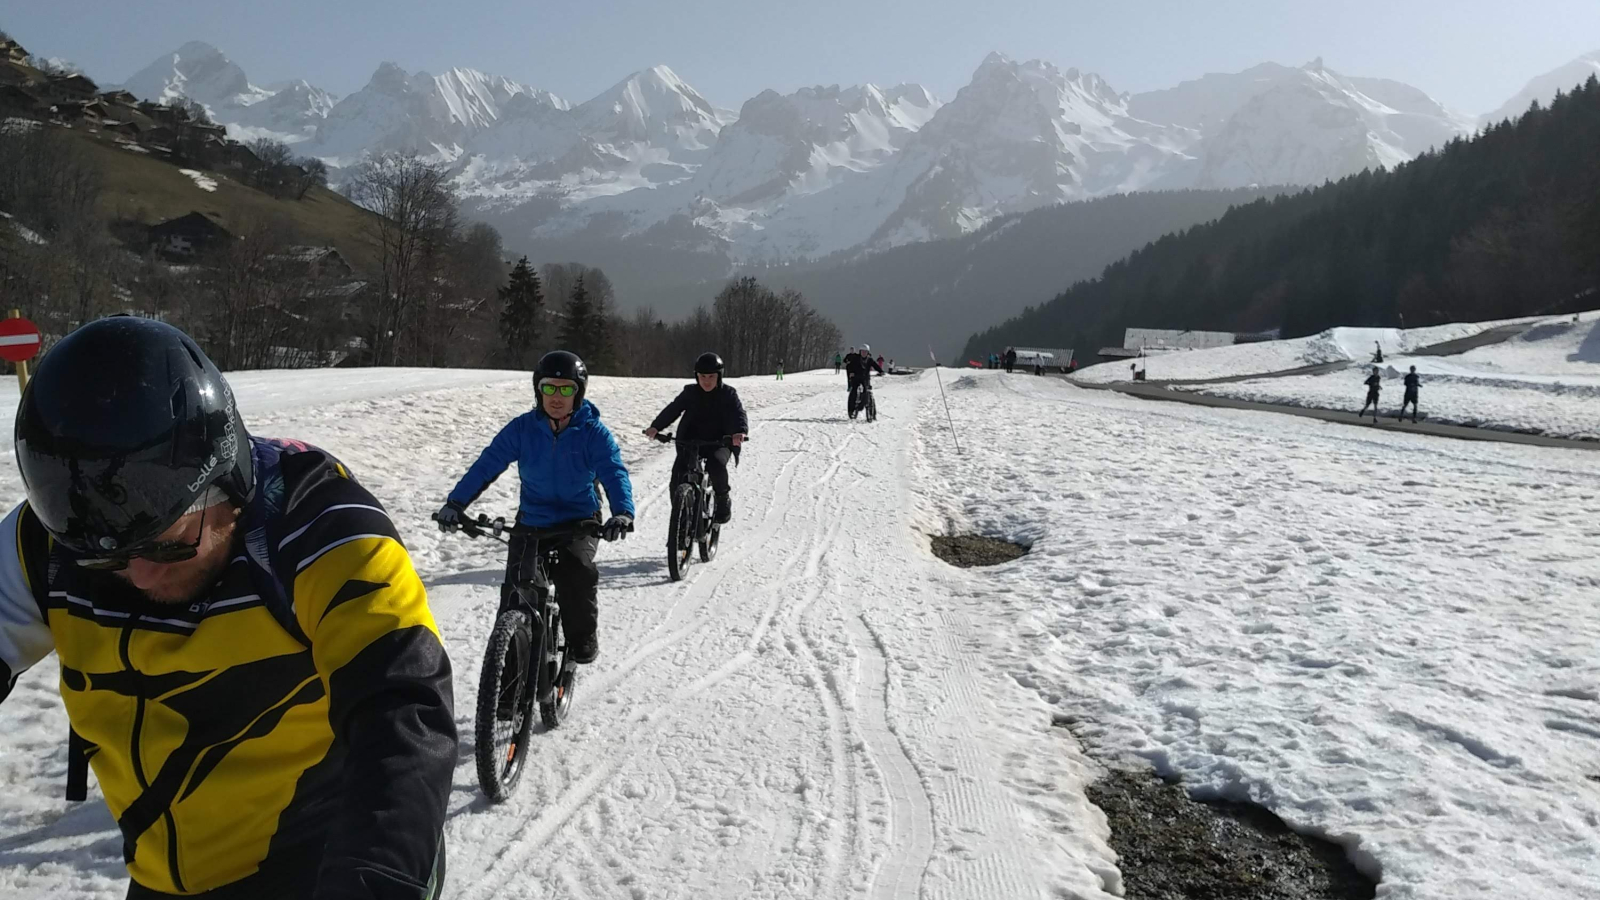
<point>530,836</point>
<point>900,873</point>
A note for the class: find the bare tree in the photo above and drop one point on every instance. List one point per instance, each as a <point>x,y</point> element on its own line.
<point>271,170</point>
<point>313,174</point>
<point>414,223</point>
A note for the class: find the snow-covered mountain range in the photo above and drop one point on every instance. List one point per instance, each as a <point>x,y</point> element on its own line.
<point>830,169</point>
<point>1544,88</point>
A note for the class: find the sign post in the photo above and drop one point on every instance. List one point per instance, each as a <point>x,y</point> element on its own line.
<point>19,342</point>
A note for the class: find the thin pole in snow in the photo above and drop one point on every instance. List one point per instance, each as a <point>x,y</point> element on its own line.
<point>946,400</point>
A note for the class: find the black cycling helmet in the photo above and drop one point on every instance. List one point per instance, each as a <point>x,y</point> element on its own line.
<point>708,364</point>
<point>566,366</point>
<point>124,426</point>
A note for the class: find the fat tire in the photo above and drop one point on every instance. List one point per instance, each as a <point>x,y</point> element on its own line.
<point>510,648</point>
<point>680,531</point>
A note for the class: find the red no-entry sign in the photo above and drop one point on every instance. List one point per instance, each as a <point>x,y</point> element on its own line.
<point>19,340</point>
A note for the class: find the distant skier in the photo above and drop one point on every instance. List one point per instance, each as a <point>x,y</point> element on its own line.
<point>1377,354</point>
<point>1011,359</point>
<point>1374,387</point>
<point>838,361</point>
<point>1412,381</point>
<point>780,371</point>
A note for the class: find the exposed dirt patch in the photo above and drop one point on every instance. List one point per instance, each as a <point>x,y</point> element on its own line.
<point>970,550</point>
<point>1175,848</point>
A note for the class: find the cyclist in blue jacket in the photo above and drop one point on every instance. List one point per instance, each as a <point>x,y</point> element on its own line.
<point>561,447</point>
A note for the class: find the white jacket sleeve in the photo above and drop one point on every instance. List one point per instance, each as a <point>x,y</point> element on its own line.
<point>24,636</point>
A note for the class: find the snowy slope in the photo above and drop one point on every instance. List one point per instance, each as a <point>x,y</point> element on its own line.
<point>653,107</point>
<point>1313,124</point>
<point>288,112</point>
<point>434,115</point>
<point>826,169</point>
<point>1543,88</point>
<point>1336,345</point>
<point>1249,602</point>
<point>1021,136</point>
<point>787,178</point>
<point>1544,381</point>
<point>1382,638</point>
<point>199,72</point>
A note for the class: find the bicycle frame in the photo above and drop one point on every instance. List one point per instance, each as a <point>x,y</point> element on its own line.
<point>531,596</point>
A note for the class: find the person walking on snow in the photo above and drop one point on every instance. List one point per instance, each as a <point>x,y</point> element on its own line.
<point>838,361</point>
<point>780,371</point>
<point>1011,359</point>
<point>1412,381</point>
<point>1374,386</point>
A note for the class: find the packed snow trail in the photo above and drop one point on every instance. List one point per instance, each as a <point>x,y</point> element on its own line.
<point>1384,638</point>
<point>761,729</point>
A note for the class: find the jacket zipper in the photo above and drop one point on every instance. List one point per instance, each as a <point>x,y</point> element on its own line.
<point>138,761</point>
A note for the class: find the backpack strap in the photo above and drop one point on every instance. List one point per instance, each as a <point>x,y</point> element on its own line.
<point>262,519</point>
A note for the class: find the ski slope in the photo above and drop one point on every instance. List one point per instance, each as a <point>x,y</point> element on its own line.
<point>1384,638</point>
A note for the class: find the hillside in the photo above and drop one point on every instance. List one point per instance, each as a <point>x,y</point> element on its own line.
<point>142,189</point>
<point>905,299</point>
<point>1500,226</point>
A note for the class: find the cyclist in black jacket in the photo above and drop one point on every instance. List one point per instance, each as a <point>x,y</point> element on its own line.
<point>858,368</point>
<point>710,409</point>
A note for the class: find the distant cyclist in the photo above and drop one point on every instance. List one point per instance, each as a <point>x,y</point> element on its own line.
<point>858,368</point>
<point>560,449</point>
<point>710,409</point>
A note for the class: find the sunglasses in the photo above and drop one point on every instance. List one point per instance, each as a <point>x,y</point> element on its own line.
<point>162,552</point>
<point>565,390</point>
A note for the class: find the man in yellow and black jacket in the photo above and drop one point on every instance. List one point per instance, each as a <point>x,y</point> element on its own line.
<point>248,661</point>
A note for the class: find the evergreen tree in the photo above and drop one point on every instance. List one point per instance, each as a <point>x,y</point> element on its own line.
<point>578,332</point>
<point>521,304</point>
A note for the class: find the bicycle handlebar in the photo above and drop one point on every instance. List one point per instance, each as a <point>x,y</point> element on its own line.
<point>667,437</point>
<point>483,526</point>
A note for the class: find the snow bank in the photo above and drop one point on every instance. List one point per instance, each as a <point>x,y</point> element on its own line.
<point>1335,345</point>
<point>1545,381</point>
<point>1386,639</point>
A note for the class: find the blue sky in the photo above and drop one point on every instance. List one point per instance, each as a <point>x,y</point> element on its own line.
<point>1470,54</point>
